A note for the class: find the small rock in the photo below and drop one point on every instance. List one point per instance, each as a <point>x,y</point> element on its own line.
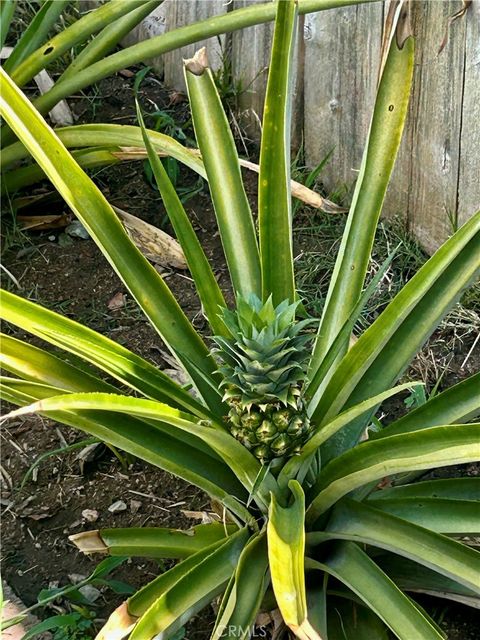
<point>126,73</point>
<point>135,506</point>
<point>117,507</point>
<point>90,515</point>
<point>117,302</point>
<point>52,238</point>
<point>90,593</point>
<point>77,230</point>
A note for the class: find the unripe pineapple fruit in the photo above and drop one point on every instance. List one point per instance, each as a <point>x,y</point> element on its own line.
<point>263,364</point>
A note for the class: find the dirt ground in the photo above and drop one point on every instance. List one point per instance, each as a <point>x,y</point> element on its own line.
<point>72,277</point>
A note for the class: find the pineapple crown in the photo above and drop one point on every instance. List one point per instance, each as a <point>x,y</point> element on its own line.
<point>265,356</point>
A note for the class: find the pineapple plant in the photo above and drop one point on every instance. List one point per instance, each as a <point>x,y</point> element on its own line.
<point>264,363</point>
<point>310,526</point>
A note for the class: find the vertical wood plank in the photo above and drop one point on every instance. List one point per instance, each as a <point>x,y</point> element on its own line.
<point>250,60</point>
<point>469,175</point>
<point>251,49</point>
<point>179,13</point>
<point>435,123</point>
<point>341,66</point>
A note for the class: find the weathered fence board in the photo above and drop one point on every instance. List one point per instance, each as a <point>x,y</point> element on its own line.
<point>469,177</point>
<point>435,123</point>
<point>435,184</point>
<point>341,70</point>
<point>182,12</point>
<point>250,61</point>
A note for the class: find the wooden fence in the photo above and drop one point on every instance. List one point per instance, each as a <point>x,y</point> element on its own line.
<point>436,182</point>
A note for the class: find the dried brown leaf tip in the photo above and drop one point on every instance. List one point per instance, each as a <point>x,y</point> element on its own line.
<point>119,625</point>
<point>451,20</point>
<point>198,63</point>
<point>89,542</point>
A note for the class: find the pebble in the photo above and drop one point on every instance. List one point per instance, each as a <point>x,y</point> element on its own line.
<point>90,515</point>
<point>135,506</point>
<point>77,230</point>
<point>117,507</point>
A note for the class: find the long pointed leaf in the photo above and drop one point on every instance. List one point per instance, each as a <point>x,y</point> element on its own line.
<point>410,576</point>
<point>37,365</point>
<point>152,443</point>
<point>377,164</point>
<point>453,517</point>
<point>192,589</point>
<point>90,206</point>
<point>111,135</point>
<point>274,196</point>
<point>286,549</point>
<point>78,32</point>
<point>207,286</point>
<point>230,21</point>
<point>107,355</point>
<point>344,334</point>
<point>300,464</point>
<point>350,620</point>
<point>152,542</point>
<point>349,564</point>
<point>235,455</point>
<point>35,33</point>
<point>351,520</point>
<point>459,403</point>
<point>385,349</point>
<point>244,594</point>
<point>449,488</point>
<point>215,140</point>
<point>7,9</point>
<point>373,460</point>
<point>109,38</point>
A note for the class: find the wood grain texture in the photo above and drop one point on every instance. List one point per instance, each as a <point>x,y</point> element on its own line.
<point>341,67</point>
<point>469,175</point>
<point>251,49</point>
<point>435,185</point>
<point>435,123</point>
<point>179,13</point>
<point>250,61</point>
